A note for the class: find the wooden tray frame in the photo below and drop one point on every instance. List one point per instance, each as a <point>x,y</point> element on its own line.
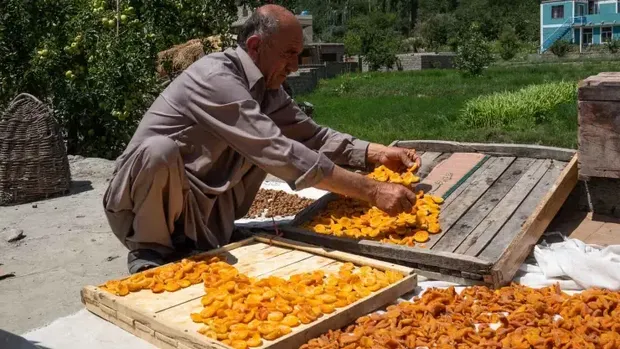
<point>147,325</point>
<point>448,266</point>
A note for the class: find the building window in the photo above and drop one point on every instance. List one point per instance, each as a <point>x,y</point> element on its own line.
<point>618,6</point>
<point>593,7</point>
<point>557,12</point>
<point>606,34</point>
<point>580,9</point>
<point>587,36</point>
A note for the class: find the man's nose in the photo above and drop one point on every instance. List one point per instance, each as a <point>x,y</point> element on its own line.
<point>292,65</point>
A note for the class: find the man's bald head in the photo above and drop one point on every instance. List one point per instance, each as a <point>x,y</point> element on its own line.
<point>266,21</point>
<point>273,38</point>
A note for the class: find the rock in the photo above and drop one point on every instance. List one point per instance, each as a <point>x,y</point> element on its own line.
<point>34,206</point>
<point>13,235</point>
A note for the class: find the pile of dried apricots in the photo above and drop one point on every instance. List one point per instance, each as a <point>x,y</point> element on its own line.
<point>516,317</point>
<point>241,311</point>
<point>354,219</point>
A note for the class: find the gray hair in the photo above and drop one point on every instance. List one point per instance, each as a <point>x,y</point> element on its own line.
<point>259,24</point>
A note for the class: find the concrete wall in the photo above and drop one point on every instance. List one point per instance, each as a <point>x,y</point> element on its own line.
<point>307,77</point>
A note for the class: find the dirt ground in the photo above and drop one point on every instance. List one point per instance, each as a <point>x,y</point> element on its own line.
<point>67,245</point>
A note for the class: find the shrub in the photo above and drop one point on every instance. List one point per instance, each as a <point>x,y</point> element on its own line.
<point>508,43</point>
<point>613,46</point>
<point>473,53</point>
<point>560,48</point>
<point>524,108</point>
<point>94,66</point>
<point>413,44</point>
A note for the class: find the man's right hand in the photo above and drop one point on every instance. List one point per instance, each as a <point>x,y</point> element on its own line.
<point>393,198</point>
<point>390,198</point>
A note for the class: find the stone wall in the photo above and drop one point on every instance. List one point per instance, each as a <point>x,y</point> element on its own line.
<point>307,77</point>
<point>419,61</point>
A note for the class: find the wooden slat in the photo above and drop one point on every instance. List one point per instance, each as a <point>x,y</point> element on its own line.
<point>334,254</point>
<point>428,162</point>
<point>389,251</point>
<point>458,191</point>
<point>516,150</point>
<point>465,225</point>
<point>489,227</point>
<point>450,173</point>
<point>534,227</point>
<point>493,251</point>
<point>312,263</point>
<point>478,186</point>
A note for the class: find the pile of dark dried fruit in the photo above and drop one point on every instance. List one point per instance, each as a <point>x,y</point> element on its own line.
<point>277,203</point>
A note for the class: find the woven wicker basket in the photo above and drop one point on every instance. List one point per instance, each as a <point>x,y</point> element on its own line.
<point>33,156</point>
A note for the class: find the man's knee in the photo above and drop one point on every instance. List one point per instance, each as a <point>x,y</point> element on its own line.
<point>158,153</point>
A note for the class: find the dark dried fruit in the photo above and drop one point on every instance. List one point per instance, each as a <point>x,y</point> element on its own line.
<point>276,203</point>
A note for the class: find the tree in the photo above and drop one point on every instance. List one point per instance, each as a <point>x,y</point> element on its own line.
<point>374,37</point>
<point>95,65</point>
<point>437,30</point>
<point>508,43</point>
<point>473,53</point>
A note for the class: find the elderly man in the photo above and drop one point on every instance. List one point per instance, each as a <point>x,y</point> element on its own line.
<point>201,152</point>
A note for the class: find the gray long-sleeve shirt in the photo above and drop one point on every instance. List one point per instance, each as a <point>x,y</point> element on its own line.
<point>231,131</point>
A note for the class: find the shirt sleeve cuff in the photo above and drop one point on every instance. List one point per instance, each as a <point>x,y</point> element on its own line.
<point>322,168</point>
<point>359,153</point>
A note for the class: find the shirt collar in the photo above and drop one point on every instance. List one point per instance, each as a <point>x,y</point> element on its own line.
<point>252,72</point>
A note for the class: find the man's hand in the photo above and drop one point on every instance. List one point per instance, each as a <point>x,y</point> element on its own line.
<point>394,158</point>
<point>390,198</point>
<point>393,198</point>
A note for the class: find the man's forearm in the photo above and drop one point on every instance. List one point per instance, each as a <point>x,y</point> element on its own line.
<point>353,185</point>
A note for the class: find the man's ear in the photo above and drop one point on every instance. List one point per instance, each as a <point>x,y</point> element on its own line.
<point>253,44</point>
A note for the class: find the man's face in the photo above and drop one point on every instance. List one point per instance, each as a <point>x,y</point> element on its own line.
<point>276,57</point>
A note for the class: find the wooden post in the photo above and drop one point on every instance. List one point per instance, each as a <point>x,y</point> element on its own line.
<point>599,141</point>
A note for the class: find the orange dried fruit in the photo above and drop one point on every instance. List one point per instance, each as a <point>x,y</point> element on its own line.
<point>238,344</point>
<point>421,236</point>
<point>255,341</point>
<point>290,321</point>
<point>275,316</point>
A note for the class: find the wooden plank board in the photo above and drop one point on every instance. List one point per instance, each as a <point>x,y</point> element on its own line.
<point>487,229</point>
<point>451,212</point>
<point>516,150</point>
<point>535,226</point>
<point>171,327</point>
<point>494,250</point>
<point>464,226</point>
<point>445,175</point>
<point>599,139</point>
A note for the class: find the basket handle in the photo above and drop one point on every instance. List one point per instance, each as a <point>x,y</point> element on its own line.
<point>18,99</point>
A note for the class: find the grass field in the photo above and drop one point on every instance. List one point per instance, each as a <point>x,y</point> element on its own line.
<point>382,107</point>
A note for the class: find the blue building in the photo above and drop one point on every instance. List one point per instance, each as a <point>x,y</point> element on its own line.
<point>582,22</point>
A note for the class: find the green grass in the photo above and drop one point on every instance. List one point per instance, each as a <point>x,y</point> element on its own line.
<point>383,107</point>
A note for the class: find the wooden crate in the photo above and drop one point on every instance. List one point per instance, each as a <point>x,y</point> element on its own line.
<point>492,216</point>
<point>164,319</point>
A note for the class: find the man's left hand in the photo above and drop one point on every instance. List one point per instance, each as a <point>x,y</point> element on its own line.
<point>397,159</point>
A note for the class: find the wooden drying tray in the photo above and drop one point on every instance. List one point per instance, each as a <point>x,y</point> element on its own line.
<point>164,319</point>
<point>496,208</point>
